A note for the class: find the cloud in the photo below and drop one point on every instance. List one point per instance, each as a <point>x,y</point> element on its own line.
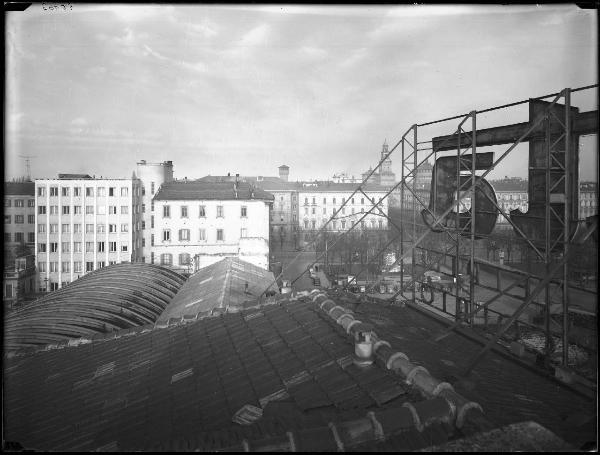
<point>256,36</point>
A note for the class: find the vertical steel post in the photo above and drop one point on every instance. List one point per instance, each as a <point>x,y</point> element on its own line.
<point>414,214</point>
<point>457,222</point>
<point>402,213</point>
<point>567,220</point>
<point>548,243</point>
<point>472,263</point>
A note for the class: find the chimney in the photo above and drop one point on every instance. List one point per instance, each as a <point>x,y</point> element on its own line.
<point>284,172</point>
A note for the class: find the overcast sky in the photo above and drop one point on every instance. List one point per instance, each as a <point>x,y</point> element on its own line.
<point>245,89</point>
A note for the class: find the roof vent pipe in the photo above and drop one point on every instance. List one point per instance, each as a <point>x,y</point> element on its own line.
<point>363,344</point>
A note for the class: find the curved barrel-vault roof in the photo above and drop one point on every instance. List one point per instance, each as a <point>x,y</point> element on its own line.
<point>116,297</point>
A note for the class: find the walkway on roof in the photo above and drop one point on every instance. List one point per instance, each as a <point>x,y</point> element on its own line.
<point>116,297</point>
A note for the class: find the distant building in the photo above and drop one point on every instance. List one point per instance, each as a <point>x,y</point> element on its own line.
<point>198,223</point>
<point>512,193</point>
<point>385,176</point>
<point>152,176</point>
<point>588,199</point>
<point>342,177</point>
<point>422,179</point>
<point>19,215</point>
<point>83,224</point>
<point>19,280</point>
<point>319,201</point>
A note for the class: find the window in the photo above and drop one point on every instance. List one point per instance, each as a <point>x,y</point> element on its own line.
<point>244,232</point>
<point>184,259</point>
<point>152,221</point>
<point>101,228</point>
<point>313,210</point>
<point>152,208</point>
<point>362,210</point>
<point>143,208</point>
<point>89,266</point>
<point>89,209</point>
<point>143,225</point>
<point>112,228</point>
<point>244,211</point>
<point>76,247</point>
<point>306,210</point>
<point>362,224</point>
<point>166,259</point>
<point>7,202</point>
<point>372,224</point>
<point>19,219</point>
<point>54,229</point>
<point>30,237</point>
<point>41,247</point>
<point>19,237</point>
<point>112,247</point>
<point>380,224</point>
<point>54,267</point>
<point>53,247</point>
<point>305,224</point>
<point>166,211</point>
<point>112,209</point>
<point>219,234</point>
<point>54,210</point>
<point>66,266</point>
<point>7,219</point>
<point>53,191</point>
<point>77,267</point>
<point>101,247</point>
<point>7,236</point>
<point>152,187</point>
<point>65,191</point>
<point>41,266</point>
<point>89,228</point>
<point>41,191</point>
<point>125,227</point>
<point>42,210</point>
<point>166,235</point>
<point>89,247</point>
<point>202,236</point>
<point>31,203</point>
<point>77,191</point>
<point>362,200</point>
<point>305,201</point>
<point>19,203</point>
<point>124,210</point>
<point>294,216</point>
<point>151,239</point>
<point>184,234</point>
<point>324,211</point>
<point>101,210</point>
<point>184,211</point>
<point>219,211</point>
<point>54,286</point>
<point>334,224</point>
<point>314,224</point>
<point>124,191</point>
<point>100,191</point>
<point>343,211</point>
<point>111,191</point>
<point>343,200</point>
<point>100,264</point>
<point>89,191</point>
<point>343,224</point>
<point>77,210</point>
<point>124,247</point>
<point>77,228</point>
<point>65,228</point>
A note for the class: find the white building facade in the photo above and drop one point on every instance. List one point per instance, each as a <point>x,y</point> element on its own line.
<point>83,224</point>
<point>197,224</point>
<point>318,202</point>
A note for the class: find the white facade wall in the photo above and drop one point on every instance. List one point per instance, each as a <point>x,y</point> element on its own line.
<point>69,233</point>
<point>18,224</point>
<point>317,207</point>
<point>152,176</point>
<point>511,200</point>
<point>244,237</point>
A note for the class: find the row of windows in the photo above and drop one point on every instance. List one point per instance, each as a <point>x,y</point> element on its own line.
<point>333,211</point>
<point>19,237</point>
<point>362,200</point>
<point>20,203</point>
<point>184,235</point>
<point>167,259</point>
<point>201,211</point>
<point>77,267</point>
<point>19,219</point>
<point>89,209</point>
<point>89,191</point>
<point>363,224</point>
<point>89,228</point>
<point>89,247</point>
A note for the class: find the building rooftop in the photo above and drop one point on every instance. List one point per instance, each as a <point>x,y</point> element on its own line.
<point>19,188</point>
<point>74,176</point>
<point>202,190</point>
<point>324,186</point>
<point>281,376</point>
<point>510,184</point>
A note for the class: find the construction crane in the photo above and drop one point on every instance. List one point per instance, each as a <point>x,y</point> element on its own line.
<point>27,164</point>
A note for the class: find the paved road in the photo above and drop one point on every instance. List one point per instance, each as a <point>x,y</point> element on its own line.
<point>293,264</point>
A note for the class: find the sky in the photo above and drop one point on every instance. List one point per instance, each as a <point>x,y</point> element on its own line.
<point>244,89</point>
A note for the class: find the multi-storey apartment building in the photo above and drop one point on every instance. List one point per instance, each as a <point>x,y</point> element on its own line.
<point>511,194</point>
<point>152,176</point>
<point>199,223</point>
<point>588,199</point>
<point>319,201</point>
<point>19,215</point>
<point>83,224</point>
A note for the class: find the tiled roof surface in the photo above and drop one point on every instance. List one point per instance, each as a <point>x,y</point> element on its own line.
<point>219,286</point>
<point>517,185</point>
<point>331,186</point>
<point>115,297</point>
<point>74,176</point>
<point>277,377</point>
<point>198,190</point>
<point>19,188</point>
